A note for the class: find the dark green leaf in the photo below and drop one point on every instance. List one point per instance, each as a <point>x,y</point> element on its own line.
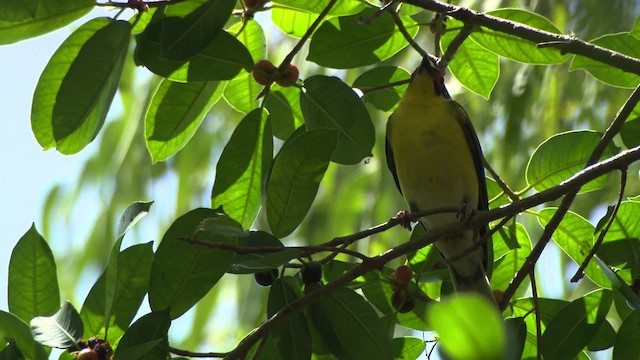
<point>604,338</point>
<point>516,337</point>
<point>295,178</point>
<point>258,262</point>
<point>516,48</point>
<point>147,338</point>
<point>632,299</point>
<point>630,132</point>
<point>575,325</point>
<point>134,269</point>
<point>175,113</point>
<point>575,237</point>
<point>628,338</point>
<point>63,330</point>
<point>563,155</point>
<point>190,26</point>
<point>476,68</point>
<point>469,327</point>
<point>329,103</point>
<point>285,114</point>
<point>182,273</point>
<point>624,43</point>
<point>348,42</point>
<point>15,331</point>
<point>350,327</point>
<point>372,83</point>
<point>33,278</point>
<point>240,172</point>
<point>68,111</point>
<point>25,19</point>
<point>292,336</point>
<point>622,240</point>
<point>407,348</point>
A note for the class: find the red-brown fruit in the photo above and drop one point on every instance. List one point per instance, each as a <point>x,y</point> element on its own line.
<point>402,301</point>
<point>87,354</point>
<point>403,275</point>
<point>263,72</point>
<point>288,76</point>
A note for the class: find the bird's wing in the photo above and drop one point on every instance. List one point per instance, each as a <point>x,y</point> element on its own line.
<point>390,162</point>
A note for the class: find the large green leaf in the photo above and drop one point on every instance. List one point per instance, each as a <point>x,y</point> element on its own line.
<point>292,336</point>
<point>68,110</point>
<point>620,245</point>
<point>342,7</point>
<point>242,168</point>
<point>259,262</point>
<point>516,48</point>
<point>33,278</point>
<point>628,338</point>
<point>476,68</point>
<point>469,327</point>
<point>182,273</point>
<point>562,156</point>
<point>329,103</point>
<point>350,327</point>
<point>347,42</point>
<point>292,22</point>
<point>147,338</point>
<point>575,325</point>
<point>189,27</point>
<point>63,330</point>
<point>575,237</point>
<point>132,282</point>
<point>25,19</point>
<point>175,114</point>
<point>624,43</point>
<point>285,114</point>
<point>15,331</point>
<point>408,348</point>
<point>295,178</point>
<point>372,83</point>
<point>512,246</point>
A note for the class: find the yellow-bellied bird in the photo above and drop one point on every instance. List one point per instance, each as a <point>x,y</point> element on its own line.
<point>436,160</point>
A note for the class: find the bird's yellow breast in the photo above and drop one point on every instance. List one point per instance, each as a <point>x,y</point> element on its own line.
<point>433,159</point>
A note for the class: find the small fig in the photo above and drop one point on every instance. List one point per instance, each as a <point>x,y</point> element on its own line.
<point>266,278</point>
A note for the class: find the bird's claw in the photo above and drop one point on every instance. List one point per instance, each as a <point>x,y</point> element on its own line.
<point>403,218</point>
<point>465,211</point>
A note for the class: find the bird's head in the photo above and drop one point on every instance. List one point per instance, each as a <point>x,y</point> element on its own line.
<point>429,80</point>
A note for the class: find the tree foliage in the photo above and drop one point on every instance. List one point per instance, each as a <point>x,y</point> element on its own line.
<point>300,180</point>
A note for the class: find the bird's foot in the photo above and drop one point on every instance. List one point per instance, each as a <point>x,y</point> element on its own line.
<point>403,218</point>
<point>465,211</point>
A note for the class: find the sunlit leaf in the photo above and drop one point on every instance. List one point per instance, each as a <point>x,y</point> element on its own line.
<point>16,332</point>
<point>375,84</point>
<point>407,348</point>
<point>292,22</point>
<point>342,7</point>
<point>62,330</point>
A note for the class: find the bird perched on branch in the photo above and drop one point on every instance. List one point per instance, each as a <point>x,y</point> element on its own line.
<point>436,160</point>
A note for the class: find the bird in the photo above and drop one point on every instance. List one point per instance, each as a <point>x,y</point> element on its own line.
<point>434,155</point>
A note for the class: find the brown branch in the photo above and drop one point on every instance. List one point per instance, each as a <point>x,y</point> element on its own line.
<point>403,30</point>
<point>564,43</point>
<point>453,47</point>
<point>580,272</point>
<point>505,188</point>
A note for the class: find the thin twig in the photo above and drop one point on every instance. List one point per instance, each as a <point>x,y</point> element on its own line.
<point>505,188</point>
<point>580,272</point>
<point>536,309</point>
<point>453,47</point>
<point>182,352</point>
<point>385,86</point>
<point>403,30</point>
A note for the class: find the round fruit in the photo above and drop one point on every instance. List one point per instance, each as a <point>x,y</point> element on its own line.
<point>311,272</point>
<point>288,76</point>
<point>266,278</point>
<point>402,301</point>
<point>87,354</point>
<point>403,275</point>
<point>263,72</point>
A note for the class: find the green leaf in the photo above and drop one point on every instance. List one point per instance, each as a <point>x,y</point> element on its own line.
<point>182,273</point>
<point>632,299</point>
<point>292,336</point>
<point>240,172</point>
<point>342,7</point>
<point>624,43</point>
<point>132,282</point>
<point>620,244</point>
<point>506,266</point>
<point>516,337</point>
<point>147,338</point>
<point>575,237</point>
<point>407,348</point>
<point>175,114</point>
<point>371,83</point>
<point>295,178</point>
<point>68,111</point>
<point>562,156</point>
<point>469,327</point>
<point>15,331</point>
<point>575,325</point>
<point>252,37</point>
<point>33,278</point>
<point>628,338</point>
<point>259,262</point>
<point>21,20</point>
<point>329,103</point>
<point>292,22</point>
<point>222,59</point>
<point>189,27</point>
<point>350,327</point>
<point>604,338</point>
<point>132,214</point>
<point>242,93</point>
<point>630,133</point>
<point>285,114</point>
<point>476,68</point>
<point>63,330</point>
<point>348,42</point>
<point>515,48</point>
